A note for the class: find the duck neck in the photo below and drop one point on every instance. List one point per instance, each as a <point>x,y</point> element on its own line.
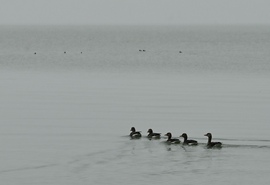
<point>209,139</point>
<point>185,139</point>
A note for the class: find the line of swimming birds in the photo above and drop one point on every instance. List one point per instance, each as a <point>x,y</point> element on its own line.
<point>152,135</point>
<point>141,50</point>
<point>64,52</point>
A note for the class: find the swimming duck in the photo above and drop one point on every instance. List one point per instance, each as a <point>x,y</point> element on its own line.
<point>187,141</point>
<point>134,133</point>
<point>152,134</point>
<point>211,144</point>
<point>170,140</point>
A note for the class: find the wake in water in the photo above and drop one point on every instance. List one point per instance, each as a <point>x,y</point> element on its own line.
<point>231,143</point>
<point>210,144</point>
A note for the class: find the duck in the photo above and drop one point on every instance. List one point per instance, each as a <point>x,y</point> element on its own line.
<point>188,141</point>
<point>211,144</point>
<point>152,134</point>
<point>134,133</point>
<point>170,140</point>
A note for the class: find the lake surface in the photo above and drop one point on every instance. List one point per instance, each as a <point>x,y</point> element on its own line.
<point>69,96</point>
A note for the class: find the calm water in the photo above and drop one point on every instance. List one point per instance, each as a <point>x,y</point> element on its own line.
<point>65,117</point>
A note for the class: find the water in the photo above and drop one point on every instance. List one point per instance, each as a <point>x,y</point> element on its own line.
<point>65,117</point>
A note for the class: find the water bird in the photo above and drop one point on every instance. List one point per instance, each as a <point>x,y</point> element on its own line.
<point>172,140</point>
<point>188,141</point>
<point>35,53</point>
<point>180,51</point>
<point>211,144</point>
<point>65,52</point>
<point>134,133</point>
<point>152,134</point>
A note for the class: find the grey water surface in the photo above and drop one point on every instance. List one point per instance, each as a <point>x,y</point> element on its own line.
<point>70,94</point>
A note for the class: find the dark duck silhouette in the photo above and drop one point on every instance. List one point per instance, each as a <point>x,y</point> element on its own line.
<point>188,141</point>
<point>211,144</point>
<point>152,134</point>
<point>172,140</point>
<point>134,133</point>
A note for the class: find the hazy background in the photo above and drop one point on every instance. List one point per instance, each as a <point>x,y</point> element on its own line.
<point>134,12</point>
<point>70,94</point>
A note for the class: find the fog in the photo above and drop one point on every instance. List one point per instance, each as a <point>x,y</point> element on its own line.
<point>134,12</point>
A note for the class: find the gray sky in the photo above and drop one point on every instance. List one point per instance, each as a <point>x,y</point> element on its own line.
<point>135,12</point>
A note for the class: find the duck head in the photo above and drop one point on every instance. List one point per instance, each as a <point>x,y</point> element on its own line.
<point>184,135</point>
<point>168,134</point>
<point>133,129</point>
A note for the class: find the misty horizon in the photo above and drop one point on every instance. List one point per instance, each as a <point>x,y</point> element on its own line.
<point>131,12</point>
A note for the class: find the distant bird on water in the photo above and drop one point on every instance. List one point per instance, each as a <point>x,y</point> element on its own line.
<point>188,141</point>
<point>172,140</point>
<point>134,133</point>
<point>211,144</point>
<point>152,134</point>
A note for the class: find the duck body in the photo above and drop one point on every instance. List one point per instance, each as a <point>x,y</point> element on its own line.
<point>211,144</point>
<point>152,134</point>
<point>134,133</point>
<point>172,140</point>
<point>188,141</point>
